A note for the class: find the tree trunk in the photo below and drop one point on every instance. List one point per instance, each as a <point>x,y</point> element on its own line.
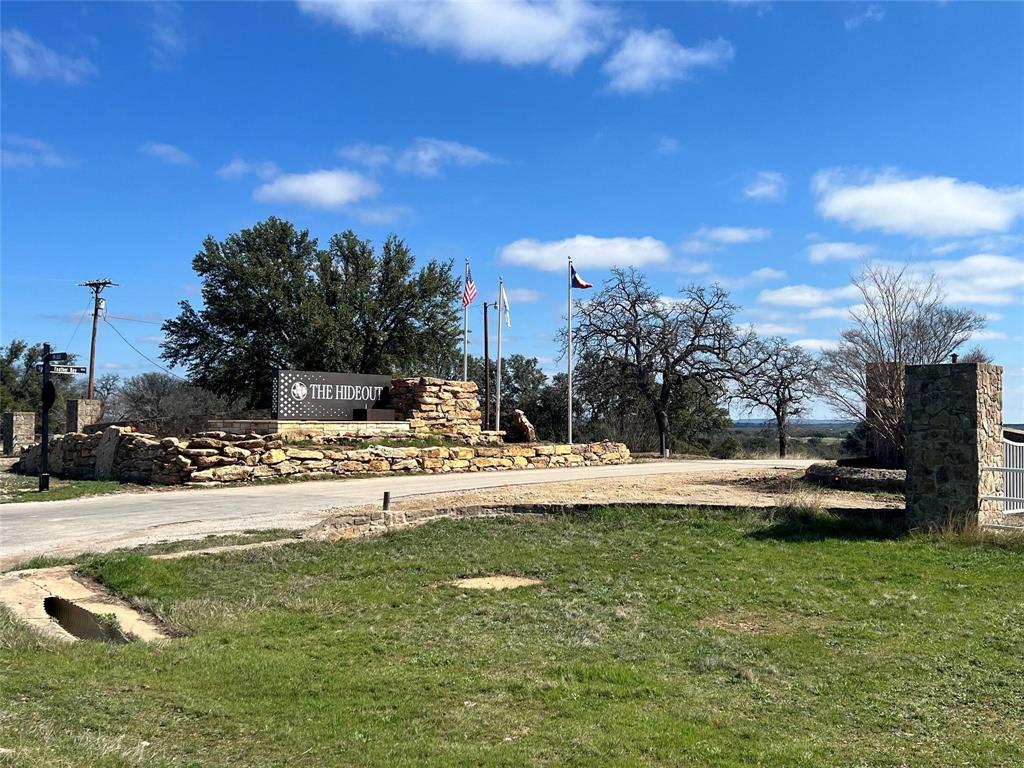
<point>662,416</point>
<point>780,426</point>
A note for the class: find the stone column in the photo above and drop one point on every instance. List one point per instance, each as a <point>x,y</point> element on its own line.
<point>82,413</point>
<point>19,429</point>
<point>954,415</point>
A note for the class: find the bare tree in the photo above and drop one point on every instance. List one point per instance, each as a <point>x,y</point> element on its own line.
<point>902,320</point>
<point>781,383</point>
<point>655,344</point>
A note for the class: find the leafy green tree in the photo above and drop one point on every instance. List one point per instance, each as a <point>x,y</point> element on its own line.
<point>21,386</point>
<point>273,299</point>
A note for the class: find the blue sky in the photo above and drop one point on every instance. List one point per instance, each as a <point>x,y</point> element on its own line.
<point>770,146</point>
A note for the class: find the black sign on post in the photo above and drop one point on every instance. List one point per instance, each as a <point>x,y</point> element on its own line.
<point>49,396</point>
<point>325,396</point>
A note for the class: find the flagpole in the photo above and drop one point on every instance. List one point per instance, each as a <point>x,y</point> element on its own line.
<point>569,315</point>
<point>465,326</point>
<point>497,381</point>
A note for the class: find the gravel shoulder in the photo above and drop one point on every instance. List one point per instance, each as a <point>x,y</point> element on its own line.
<point>734,488</point>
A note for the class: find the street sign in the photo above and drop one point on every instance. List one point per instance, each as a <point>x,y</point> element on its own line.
<point>58,356</point>
<point>71,369</point>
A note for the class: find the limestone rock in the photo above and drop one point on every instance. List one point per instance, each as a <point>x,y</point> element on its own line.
<point>520,430</point>
<point>274,456</point>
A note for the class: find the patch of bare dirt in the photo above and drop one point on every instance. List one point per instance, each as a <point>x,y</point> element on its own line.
<point>496,582</point>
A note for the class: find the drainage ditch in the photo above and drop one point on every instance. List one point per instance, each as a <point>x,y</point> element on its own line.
<point>83,624</point>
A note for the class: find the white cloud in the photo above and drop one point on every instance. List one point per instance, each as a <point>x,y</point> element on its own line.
<point>167,38</point>
<point>424,157</point>
<point>167,153</point>
<point>329,189</point>
<point>871,13</point>
<point>370,155</point>
<point>928,206</point>
<point>692,266</point>
<point>820,313</point>
<point>586,251</point>
<point>647,61</point>
<point>776,329</point>
<point>27,58</point>
<point>983,278</point>
<point>381,214</point>
<point>517,32</point>
<point>263,169</point>
<point>762,275</point>
<point>523,295</point>
<point>667,146</point>
<point>987,335</point>
<point>816,343</point>
<point>821,252</point>
<point>984,244</point>
<point>806,295</point>
<point>25,152</point>
<point>767,185</point>
<point>707,239</point>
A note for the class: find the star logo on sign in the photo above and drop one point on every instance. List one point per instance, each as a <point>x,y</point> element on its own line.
<point>299,390</point>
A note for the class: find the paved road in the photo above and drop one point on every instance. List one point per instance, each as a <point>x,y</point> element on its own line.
<point>107,522</point>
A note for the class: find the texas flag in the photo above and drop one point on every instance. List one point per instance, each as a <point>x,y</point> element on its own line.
<point>577,281</point>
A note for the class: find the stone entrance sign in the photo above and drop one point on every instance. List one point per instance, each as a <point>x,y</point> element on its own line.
<point>325,396</point>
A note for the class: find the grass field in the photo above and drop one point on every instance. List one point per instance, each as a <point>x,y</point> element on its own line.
<point>688,638</point>
<point>26,488</point>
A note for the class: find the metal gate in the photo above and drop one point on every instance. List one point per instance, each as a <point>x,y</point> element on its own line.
<point>1012,471</point>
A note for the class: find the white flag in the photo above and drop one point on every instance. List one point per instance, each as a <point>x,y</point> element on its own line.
<point>504,303</point>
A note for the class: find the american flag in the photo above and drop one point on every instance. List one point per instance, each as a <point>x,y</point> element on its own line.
<point>579,282</point>
<point>468,290</point>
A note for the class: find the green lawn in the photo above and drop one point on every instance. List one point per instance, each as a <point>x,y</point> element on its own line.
<point>686,638</point>
<point>26,488</point>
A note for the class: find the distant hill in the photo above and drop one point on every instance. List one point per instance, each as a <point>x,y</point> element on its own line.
<point>762,423</point>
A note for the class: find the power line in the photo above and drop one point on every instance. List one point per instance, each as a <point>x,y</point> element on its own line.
<point>142,355</point>
<point>78,325</point>
<point>136,320</point>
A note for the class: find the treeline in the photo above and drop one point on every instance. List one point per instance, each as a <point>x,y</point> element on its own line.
<point>655,369</point>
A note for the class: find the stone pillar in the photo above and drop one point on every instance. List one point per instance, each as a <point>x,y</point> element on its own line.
<point>954,415</point>
<point>19,430</point>
<point>82,413</point>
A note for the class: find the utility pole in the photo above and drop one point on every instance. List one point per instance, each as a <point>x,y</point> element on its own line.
<point>97,287</point>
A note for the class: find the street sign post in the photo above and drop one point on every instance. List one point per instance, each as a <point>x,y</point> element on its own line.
<point>49,397</point>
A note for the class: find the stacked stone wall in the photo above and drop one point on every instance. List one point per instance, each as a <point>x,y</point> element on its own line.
<point>438,407</point>
<point>217,457</point>
<point>954,428</point>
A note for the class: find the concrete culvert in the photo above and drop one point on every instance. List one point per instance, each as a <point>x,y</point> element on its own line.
<point>81,623</point>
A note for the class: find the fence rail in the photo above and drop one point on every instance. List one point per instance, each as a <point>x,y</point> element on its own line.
<point>1012,471</point>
